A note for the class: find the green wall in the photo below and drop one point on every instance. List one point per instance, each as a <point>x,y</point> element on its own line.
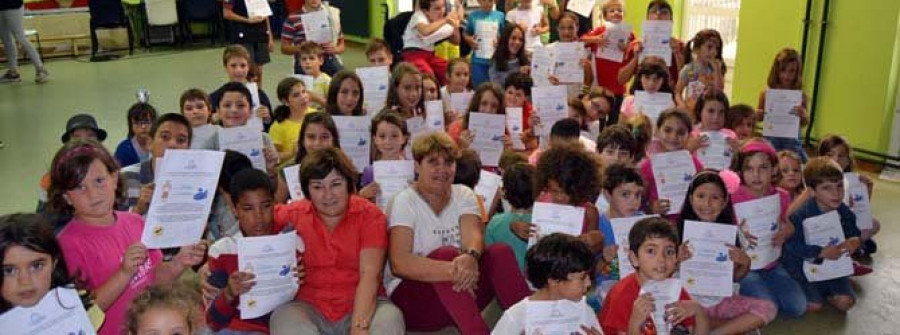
<point>636,12</point>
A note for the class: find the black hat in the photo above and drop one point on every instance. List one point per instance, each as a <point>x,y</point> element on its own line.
<point>83,121</point>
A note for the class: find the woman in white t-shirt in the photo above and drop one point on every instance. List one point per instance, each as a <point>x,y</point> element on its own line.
<point>441,274</point>
<point>428,25</point>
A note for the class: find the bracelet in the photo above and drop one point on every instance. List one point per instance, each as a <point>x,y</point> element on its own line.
<point>362,323</point>
<point>472,252</point>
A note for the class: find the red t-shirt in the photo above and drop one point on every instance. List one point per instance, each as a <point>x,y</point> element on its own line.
<point>607,70</point>
<point>618,305</point>
<point>331,259</point>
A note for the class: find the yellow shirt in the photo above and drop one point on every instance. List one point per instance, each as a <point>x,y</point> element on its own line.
<point>285,135</point>
<point>320,87</point>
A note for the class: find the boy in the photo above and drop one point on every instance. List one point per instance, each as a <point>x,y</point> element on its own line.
<point>251,32</point>
<point>742,119</point>
<point>311,62</point>
<point>293,34</point>
<point>170,131</point>
<point>78,127</point>
<point>616,145</point>
<point>608,70</point>
<point>623,189</point>
<point>236,60</point>
<point>653,244</point>
<point>825,183</point>
<point>559,267</point>
<point>656,10</point>
<point>513,227</point>
<point>379,53</point>
<point>565,131</point>
<point>486,14</point>
<point>468,172</point>
<point>253,201</point>
<point>235,107</point>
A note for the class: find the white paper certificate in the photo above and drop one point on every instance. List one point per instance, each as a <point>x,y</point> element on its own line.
<point>486,33</point>
<point>488,184</point>
<point>673,172</point>
<point>354,138</point>
<point>258,8</point>
<point>582,7</point>
<point>664,292</point>
<point>515,126</point>
<point>543,62</point>
<point>375,82</point>
<point>246,140</point>
<point>552,218</point>
<point>416,127</point>
<point>273,259</point>
<point>761,219</point>
<point>858,195</point>
<point>551,105</point>
<point>825,230</point>
<point>717,155</point>
<point>292,179</point>
<point>392,177</point>
<point>779,122</point>
<point>434,115</point>
<point>621,227</point>
<point>568,62</point>
<point>657,37</point>
<point>459,102</point>
<point>615,34</point>
<point>561,316</point>
<point>182,198</point>
<point>652,104</point>
<point>316,26</point>
<point>254,122</point>
<point>710,271</point>
<point>60,311</point>
<point>488,131</point>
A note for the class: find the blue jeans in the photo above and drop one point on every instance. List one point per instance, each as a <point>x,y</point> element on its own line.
<point>819,291</point>
<point>480,74</point>
<point>790,144</point>
<point>330,66</point>
<point>778,287</point>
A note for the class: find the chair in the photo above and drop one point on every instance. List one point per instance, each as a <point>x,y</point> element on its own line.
<point>208,11</point>
<point>161,13</point>
<point>108,14</point>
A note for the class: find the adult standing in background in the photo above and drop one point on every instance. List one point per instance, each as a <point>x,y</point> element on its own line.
<point>12,13</point>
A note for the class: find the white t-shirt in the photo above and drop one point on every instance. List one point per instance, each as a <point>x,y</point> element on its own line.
<point>528,18</point>
<point>513,319</point>
<point>430,231</point>
<point>205,137</point>
<point>412,38</point>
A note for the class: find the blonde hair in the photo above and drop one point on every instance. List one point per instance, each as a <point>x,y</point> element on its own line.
<point>235,51</point>
<point>177,297</point>
<point>609,4</point>
<point>782,59</point>
<point>436,142</point>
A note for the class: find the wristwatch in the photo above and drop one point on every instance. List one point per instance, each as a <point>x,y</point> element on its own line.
<point>472,252</point>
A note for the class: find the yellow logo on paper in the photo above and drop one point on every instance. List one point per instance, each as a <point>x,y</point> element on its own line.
<point>251,303</point>
<point>158,231</point>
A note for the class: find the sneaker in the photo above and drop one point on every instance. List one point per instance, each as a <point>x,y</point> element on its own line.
<point>42,76</point>
<point>10,77</point>
<point>860,269</point>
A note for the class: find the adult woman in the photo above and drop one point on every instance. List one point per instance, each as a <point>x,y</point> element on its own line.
<point>437,248</point>
<point>12,13</point>
<point>345,240</point>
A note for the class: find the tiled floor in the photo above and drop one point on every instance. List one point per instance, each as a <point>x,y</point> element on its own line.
<point>32,117</point>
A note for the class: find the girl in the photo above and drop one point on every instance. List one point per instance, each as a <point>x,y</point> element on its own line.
<point>756,163</point>
<point>578,113</point>
<point>707,201</point>
<point>672,129</point>
<point>568,32</point>
<point>608,70</point>
<point>317,131</point>
<point>510,55</point>
<point>428,24</point>
<point>405,93</point>
<point>598,104</point>
<point>709,112</point>
<point>136,147</point>
<point>487,99</point>
<point>742,119</point>
<point>786,74</point>
<point>790,173</point>
<point>102,246</point>
<point>289,118</point>
<point>345,95</point>
<point>195,107</point>
<point>532,21</point>
<point>457,82</point>
<point>705,71</point>
<point>652,77</point>
<point>162,310</point>
<point>641,128</point>
<point>430,88</point>
<point>390,136</point>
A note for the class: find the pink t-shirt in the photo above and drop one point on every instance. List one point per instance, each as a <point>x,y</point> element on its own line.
<point>743,194</point>
<point>94,253</point>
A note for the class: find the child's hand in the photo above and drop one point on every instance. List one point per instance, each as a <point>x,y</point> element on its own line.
<point>370,191</point>
<point>301,271</point>
<point>868,182</point>
<point>679,311</point>
<point>271,160</point>
<point>831,252</point>
<point>642,309</point>
<point>660,206</point>
<point>553,79</point>
<point>752,240</point>
<point>191,255</point>
<point>734,144</point>
<point>255,19</point>
<point>593,239</point>
<point>610,252</point>
<point>239,283</point>
<point>780,237</point>
<point>738,256</point>
<point>143,201</point>
<point>328,47</point>
<point>623,46</point>
<point>696,142</point>
<point>590,331</point>
<point>638,49</point>
<point>685,251</point>
<point>208,290</point>
<point>522,230</point>
<point>851,244</point>
<point>466,137</point>
<point>585,63</point>
<point>525,69</point>
<point>535,30</point>
<point>263,113</point>
<point>134,256</point>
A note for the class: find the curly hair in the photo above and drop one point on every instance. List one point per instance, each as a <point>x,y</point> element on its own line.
<point>574,169</point>
<point>177,297</point>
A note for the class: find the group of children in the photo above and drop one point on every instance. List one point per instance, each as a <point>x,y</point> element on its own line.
<point>597,159</point>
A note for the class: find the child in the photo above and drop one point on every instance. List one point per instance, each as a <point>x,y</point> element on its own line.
<point>838,149</point>
<point>652,77</point>
<point>345,95</point>
<point>102,246</point>
<point>578,113</point>
<point>600,105</point>
<point>457,81</point>
<point>656,10</point>
<point>532,21</point>
<point>672,129</point>
<point>252,199</point>
<point>790,173</point>
<point>786,74</point>
<point>195,107</point>
<point>317,131</point>
<point>468,172</point>
<point>430,88</point>
<point>289,118</point>
<point>235,107</point>
<point>559,267</point>
<point>171,131</point>
<point>162,310</point>
<point>641,128</point>
<point>293,35</point>
<point>405,93</point>
<point>568,32</point>
<point>623,189</point>
<point>616,145</point>
<point>707,201</point>
<point>510,55</point>
<point>311,62</point>
<point>136,147</point>
<point>705,70</point>
<point>390,137</point>
<point>517,88</point>
<point>741,118</point>
<point>79,126</point>
<point>485,14</point>
<point>379,53</point>
<point>565,132</point>
<point>513,227</point>
<point>608,70</point>
<point>825,180</point>
<point>236,60</point>
<point>755,163</point>
<point>429,24</point>
<point>487,99</point>
<point>709,112</point>
<point>253,33</point>
<point>653,245</point>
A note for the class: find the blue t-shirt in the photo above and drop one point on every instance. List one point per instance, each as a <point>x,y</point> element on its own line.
<point>498,232</point>
<point>480,15</point>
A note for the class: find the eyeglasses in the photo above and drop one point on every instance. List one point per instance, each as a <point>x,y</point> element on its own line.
<point>142,123</point>
<point>659,11</point>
